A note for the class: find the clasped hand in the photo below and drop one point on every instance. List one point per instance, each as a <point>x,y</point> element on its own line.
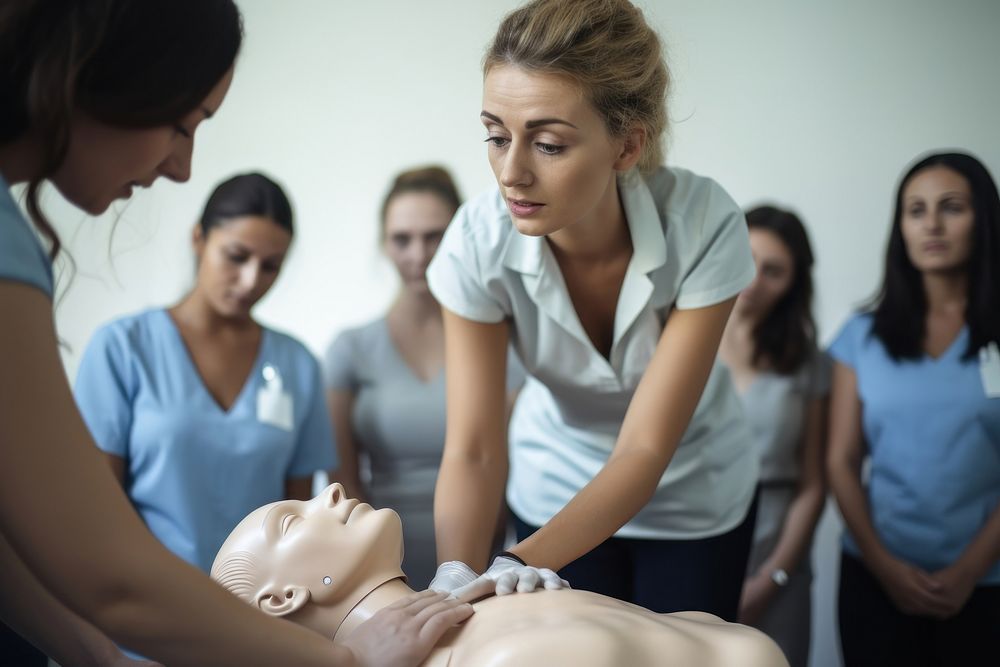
<point>504,576</point>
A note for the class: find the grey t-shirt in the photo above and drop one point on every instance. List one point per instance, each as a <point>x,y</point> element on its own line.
<point>398,423</point>
<point>775,407</point>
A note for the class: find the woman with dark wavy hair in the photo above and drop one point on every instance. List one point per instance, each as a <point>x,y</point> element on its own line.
<point>916,401</point>
<point>100,97</point>
<point>783,380</point>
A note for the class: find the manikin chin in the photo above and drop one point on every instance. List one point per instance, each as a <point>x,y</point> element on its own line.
<point>330,563</point>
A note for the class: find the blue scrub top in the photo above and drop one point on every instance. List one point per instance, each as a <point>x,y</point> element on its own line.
<point>22,258</point>
<point>193,470</point>
<point>934,442</point>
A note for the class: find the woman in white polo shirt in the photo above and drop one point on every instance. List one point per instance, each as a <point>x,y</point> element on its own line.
<point>613,277</point>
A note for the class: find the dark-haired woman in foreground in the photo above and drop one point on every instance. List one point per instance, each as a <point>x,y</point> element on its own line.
<point>769,346</point>
<point>101,97</point>
<point>203,412</point>
<point>916,391</point>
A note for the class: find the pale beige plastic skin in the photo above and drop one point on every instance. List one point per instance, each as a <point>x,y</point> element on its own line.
<point>280,557</point>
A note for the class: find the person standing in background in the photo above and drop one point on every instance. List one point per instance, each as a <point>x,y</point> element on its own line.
<point>385,379</point>
<point>203,412</point>
<point>916,400</point>
<point>783,379</point>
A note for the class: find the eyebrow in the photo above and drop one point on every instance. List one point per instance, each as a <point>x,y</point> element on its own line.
<point>531,124</point>
<point>950,193</point>
<point>208,112</point>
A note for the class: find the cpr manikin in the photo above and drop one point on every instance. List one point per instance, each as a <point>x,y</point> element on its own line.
<point>332,562</point>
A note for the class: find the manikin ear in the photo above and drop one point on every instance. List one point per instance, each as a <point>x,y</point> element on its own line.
<point>631,149</point>
<point>282,601</point>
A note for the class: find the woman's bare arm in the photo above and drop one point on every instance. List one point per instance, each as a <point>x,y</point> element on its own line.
<point>469,492</point>
<point>83,541</point>
<point>805,509</point>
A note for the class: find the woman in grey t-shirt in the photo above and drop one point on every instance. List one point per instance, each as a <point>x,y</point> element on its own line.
<point>385,379</point>
<point>783,380</point>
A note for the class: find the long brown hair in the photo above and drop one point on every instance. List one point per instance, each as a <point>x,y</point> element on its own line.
<point>126,63</point>
<point>786,337</point>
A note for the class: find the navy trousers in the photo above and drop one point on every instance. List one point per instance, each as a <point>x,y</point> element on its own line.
<point>666,575</point>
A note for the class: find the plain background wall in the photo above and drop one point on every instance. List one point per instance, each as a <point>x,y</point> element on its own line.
<point>817,106</point>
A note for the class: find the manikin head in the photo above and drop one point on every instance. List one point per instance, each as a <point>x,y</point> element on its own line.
<point>308,561</point>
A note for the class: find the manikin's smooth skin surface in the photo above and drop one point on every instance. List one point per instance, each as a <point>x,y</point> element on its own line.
<point>332,562</point>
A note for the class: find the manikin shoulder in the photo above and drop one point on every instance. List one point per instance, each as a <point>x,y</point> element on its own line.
<point>548,628</point>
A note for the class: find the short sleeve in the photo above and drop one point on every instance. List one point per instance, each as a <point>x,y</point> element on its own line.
<point>846,344</point>
<point>820,371</point>
<point>455,276</point>
<point>22,258</point>
<point>338,364</point>
<point>314,446</point>
<point>723,265</point>
<point>104,390</point>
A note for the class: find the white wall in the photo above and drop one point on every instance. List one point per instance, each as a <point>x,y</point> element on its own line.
<point>817,106</point>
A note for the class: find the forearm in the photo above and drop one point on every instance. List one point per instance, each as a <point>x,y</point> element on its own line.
<point>32,611</point>
<point>845,483</point>
<point>605,504</point>
<point>797,531</point>
<point>467,502</point>
<point>60,504</point>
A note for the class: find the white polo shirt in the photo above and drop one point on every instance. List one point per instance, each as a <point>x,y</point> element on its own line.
<point>690,250</point>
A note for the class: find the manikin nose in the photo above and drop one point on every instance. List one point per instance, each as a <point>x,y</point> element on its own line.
<point>333,494</point>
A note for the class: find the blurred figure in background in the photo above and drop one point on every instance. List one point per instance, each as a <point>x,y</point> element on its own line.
<point>204,413</point>
<point>916,397</point>
<point>385,379</point>
<point>769,346</point>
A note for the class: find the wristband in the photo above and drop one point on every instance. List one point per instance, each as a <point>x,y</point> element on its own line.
<point>512,556</point>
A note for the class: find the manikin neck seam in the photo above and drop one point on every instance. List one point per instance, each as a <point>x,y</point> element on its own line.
<point>350,620</point>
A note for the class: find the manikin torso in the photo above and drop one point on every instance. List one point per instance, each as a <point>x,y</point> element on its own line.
<point>331,563</point>
<point>569,627</point>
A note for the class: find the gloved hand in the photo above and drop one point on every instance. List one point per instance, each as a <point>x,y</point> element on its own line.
<point>505,576</point>
<point>451,576</point>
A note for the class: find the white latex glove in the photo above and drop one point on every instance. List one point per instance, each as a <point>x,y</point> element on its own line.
<point>451,576</point>
<point>506,576</point>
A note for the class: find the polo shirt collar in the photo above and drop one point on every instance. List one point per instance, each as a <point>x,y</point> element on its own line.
<point>529,256</point>
<point>525,254</point>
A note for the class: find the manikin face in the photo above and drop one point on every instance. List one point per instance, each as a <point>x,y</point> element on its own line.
<point>238,262</point>
<point>315,551</point>
<point>414,224</point>
<point>550,151</point>
<point>775,273</point>
<point>105,162</point>
<point>937,220</point>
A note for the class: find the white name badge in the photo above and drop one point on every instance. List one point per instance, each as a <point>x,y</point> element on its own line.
<point>274,404</point>
<point>989,370</point>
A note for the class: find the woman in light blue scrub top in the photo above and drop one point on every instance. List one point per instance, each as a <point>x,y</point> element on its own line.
<point>916,392</point>
<point>205,414</point>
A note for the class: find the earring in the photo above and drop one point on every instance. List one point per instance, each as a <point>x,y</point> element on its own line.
<point>327,581</point>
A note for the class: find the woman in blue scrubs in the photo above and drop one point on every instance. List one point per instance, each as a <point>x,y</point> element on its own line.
<point>203,413</point>
<point>99,97</point>
<point>916,392</point>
